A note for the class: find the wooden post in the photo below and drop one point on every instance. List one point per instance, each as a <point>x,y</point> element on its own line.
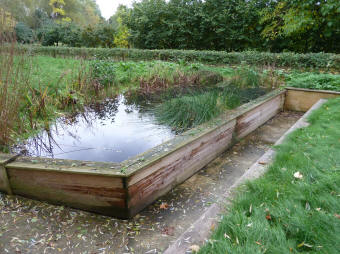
<point>3,175</point>
<point>4,181</point>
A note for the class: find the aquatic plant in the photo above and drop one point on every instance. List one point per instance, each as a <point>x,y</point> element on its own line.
<point>196,108</point>
<point>188,111</point>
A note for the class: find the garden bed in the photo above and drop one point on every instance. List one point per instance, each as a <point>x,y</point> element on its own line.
<point>124,189</point>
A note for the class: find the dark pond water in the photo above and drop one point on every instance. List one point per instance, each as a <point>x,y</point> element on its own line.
<point>110,132</point>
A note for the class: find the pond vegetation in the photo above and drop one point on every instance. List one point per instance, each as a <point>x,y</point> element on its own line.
<point>37,90</point>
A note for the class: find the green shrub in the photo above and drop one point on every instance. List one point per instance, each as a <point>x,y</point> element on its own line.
<point>314,81</point>
<point>310,60</point>
<point>23,33</point>
<point>103,72</point>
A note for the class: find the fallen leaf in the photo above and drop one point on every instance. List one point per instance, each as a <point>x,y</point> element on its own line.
<point>301,244</point>
<point>164,206</point>
<point>168,231</point>
<point>298,175</point>
<point>194,248</point>
<point>268,217</point>
<point>226,236</point>
<point>337,216</point>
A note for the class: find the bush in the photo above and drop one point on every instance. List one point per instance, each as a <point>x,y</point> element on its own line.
<point>103,72</point>
<point>311,60</point>
<point>23,33</point>
<point>314,81</point>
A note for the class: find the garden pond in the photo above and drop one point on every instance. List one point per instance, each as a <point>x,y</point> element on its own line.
<point>111,131</point>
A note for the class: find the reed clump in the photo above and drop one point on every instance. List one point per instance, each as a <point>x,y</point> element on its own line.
<point>187,111</point>
<point>30,98</point>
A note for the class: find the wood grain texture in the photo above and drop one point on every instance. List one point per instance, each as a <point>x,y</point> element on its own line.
<point>154,181</point>
<point>99,194</point>
<point>256,117</point>
<point>303,99</point>
<point>4,182</point>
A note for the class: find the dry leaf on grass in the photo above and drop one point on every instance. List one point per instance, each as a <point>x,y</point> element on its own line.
<point>194,248</point>
<point>298,175</point>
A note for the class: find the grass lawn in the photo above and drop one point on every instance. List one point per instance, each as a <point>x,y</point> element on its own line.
<point>53,72</point>
<point>281,213</point>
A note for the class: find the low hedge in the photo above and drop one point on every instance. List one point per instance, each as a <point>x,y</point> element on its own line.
<point>310,60</point>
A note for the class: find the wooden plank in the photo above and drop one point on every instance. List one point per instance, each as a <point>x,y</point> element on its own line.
<point>100,194</point>
<point>256,117</point>
<point>155,154</point>
<point>69,166</point>
<point>104,188</point>
<point>153,182</point>
<point>200,230</point>
<point>304,99</point>
<point>4,182</point>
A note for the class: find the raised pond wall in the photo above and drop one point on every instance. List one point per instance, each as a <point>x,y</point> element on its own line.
<point>124,189</point>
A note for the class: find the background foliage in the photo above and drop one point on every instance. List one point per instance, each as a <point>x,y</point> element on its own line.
<point>234,25</point>
<point>286,59</point>
<point>299,26</point>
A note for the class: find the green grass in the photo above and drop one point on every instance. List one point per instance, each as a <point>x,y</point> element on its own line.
<point>34,91</point>
<point>279,213</point>
<point>53,72</point>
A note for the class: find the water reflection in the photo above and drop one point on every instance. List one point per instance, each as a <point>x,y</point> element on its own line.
<point>110,131</point>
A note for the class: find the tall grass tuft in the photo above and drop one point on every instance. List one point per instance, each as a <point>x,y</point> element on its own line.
<point>13,83</point>
<point>30,97</point>
<point>187,111</point>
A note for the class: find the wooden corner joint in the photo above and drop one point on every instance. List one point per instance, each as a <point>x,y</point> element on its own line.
<point>4,179</point>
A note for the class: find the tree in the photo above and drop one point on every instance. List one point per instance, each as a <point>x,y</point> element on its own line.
<point>7,21</point>
<point>58,12</point>
<point>194,24</point>
<point>122,31</point>
<point>24,34</point>
<point>51,35</point>
<point>230,25</point>
<point>308,25</point>
<point>70,35</point>
<point>101,35</point>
